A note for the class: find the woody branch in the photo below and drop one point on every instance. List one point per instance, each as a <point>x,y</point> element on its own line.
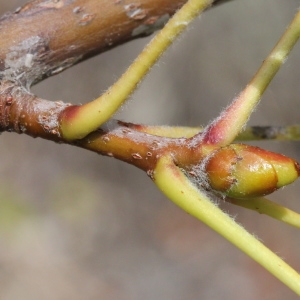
<point>43,38</point>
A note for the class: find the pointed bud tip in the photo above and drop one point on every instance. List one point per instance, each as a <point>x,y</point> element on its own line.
<point>243,171</point>
<point>287,170</point>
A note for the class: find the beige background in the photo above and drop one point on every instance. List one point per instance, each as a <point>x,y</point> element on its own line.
<point>75,225</point>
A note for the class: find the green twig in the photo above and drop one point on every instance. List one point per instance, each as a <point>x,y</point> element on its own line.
<point>90,116</point>
<point>173,183</point>
<point>269,208</point>
<point>225,128</point>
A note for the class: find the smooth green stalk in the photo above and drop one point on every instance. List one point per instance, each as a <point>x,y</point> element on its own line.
<point>90,116</point>
<point>174,184</point>
<point>269,208</point>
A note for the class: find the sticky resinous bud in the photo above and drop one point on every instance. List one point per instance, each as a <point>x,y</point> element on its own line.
<point>242,171</point>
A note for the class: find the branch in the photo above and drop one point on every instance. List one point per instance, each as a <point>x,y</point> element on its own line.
<point>43,37</point>
<point>78,121</point>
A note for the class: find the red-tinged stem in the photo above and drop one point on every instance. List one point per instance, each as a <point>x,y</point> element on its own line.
<point>39,118</point>
<point>225,128</point>
<point>140,149</point>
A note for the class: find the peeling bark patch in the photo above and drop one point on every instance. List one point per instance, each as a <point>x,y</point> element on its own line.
<point>48,113</point>
<point>19,61</point>
<point>106,139</point>
<point>134,11</point>
<point>140,14</point>
<point>33,7</point>
<point>67,63</point>
<point>86,19</point>
<point>53,4</point>
<point>78,10</point>
<point>136,156</point>
<point>152,20</point>
<point>28,60</point>
<point>150,25</point>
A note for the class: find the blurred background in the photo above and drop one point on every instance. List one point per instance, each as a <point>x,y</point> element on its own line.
<point>76,225</point>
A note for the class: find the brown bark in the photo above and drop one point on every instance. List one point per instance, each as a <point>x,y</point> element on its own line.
<point>23,112</point>
<point>44,37</point>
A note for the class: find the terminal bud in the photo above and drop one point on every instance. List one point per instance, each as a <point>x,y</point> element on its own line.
<point>243,171</point>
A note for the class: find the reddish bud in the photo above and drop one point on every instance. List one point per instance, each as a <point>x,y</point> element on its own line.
<point>242,171</point>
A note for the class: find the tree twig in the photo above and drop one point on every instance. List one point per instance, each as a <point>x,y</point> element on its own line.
<point>43,37</point>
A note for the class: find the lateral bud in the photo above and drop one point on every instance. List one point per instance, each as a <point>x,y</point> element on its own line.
<point>243,171</point>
